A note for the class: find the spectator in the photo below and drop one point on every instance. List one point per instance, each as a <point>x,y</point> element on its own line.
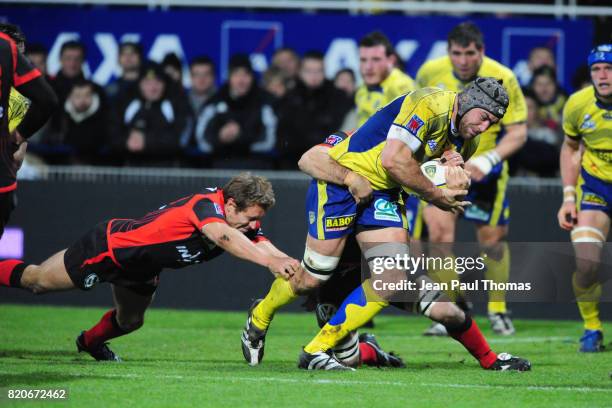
<point>238,121</point>
<point>203,78</point>
<point>549,96</point>
<point>287,60</point>
<point>538,57</point>
<point>540,154</point>
<point>84,123</point>
<point>147,129</point>
<point>345,81</point>
<point>130,61</point>
<point>314,109</point>
<point>173,68</point>
<point>274,82</point>
<point>72,56</point>
<point>37,54</point>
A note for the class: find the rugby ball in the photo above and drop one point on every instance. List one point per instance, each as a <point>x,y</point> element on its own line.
<point>434,171</point>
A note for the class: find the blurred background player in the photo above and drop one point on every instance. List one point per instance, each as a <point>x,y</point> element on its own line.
<point>382,83</point>
<point>586,172</point>
<point>29,101</point>
<point>488,167</point>
<point>131,253</point>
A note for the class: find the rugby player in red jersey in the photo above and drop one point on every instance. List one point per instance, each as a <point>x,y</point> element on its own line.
<point>131,253</point>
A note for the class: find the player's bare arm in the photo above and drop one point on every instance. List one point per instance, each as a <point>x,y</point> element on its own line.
<point>397,159</point>
<point>570,168</point>
<point>318,165</point>
<point>513,140</point>
<point>237,244</point>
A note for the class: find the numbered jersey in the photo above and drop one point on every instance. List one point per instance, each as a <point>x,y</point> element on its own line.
<point>590,121</point>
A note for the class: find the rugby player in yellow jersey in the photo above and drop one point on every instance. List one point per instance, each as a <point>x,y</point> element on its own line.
<point>587,187</point>
<point>488,167</point>
<point>387,151</point>
<point>382,83</point>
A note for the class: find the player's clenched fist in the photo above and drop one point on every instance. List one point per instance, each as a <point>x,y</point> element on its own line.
<point>457,178</point>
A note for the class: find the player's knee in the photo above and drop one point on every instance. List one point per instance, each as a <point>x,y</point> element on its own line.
<point>130,323</point>
<point>319,268</point>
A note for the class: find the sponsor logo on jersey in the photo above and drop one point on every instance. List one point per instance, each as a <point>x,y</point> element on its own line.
<point>607,116</point>
<point>432,145</point>
<point>218,209</point>
<point>311,217</point>
<point>587,122</point>
<point>339,223</point>
<point>594,199</point>
<point>187,257</point>
<point>333,140</point>
<point>414,124</point>
<point>385,210</point>
<point>91,280</point>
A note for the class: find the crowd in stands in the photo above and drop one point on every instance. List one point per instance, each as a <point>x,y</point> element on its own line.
<point>145,117</point>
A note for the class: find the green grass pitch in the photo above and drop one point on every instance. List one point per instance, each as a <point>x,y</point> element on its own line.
<point>193,358</point>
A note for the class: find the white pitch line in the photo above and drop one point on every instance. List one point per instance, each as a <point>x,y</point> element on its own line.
<point>329,381</point>
<point>490,339</point>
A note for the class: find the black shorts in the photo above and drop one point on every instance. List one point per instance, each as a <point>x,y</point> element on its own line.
<point>8,202</point>
<point>89,262</point>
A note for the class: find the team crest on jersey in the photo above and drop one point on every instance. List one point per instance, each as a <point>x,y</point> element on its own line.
<point>333,140</point>
<point>587,122</point>
<point>385,210</point>
<point>415,124</point>
<point>218,209</point>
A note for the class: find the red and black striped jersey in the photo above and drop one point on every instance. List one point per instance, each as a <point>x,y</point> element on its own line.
<point>15,70</point>
<point>171,237</point>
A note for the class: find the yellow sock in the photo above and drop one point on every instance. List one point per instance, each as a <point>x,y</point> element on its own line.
<point>355,311</point>
<point>588,304</point>
<point>280,294</point>
<point>446,275</point>
<point>499,272</point>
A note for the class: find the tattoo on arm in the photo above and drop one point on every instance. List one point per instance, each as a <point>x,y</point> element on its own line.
<point>224,238</point>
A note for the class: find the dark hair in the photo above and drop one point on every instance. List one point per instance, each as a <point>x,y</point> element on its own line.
<point>72,45</point>
<point>377,38</point>
<point>172,60</point>
<point>345,71</point>
<point>36,48</point>
<point>240,61</point>
<point>466,33</point>
<point>202,60</point>
<point>545,70</point>
<point>247,190</point>
<point>271,74</point>
<point>313,54</point>
<point>13,31</point>
<point>151,68</point>
<point>133,45</point>
<point>82,82</point>
<point>581,76</point>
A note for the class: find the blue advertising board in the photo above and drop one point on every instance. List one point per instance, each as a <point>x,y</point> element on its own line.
<point>220,34</point>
